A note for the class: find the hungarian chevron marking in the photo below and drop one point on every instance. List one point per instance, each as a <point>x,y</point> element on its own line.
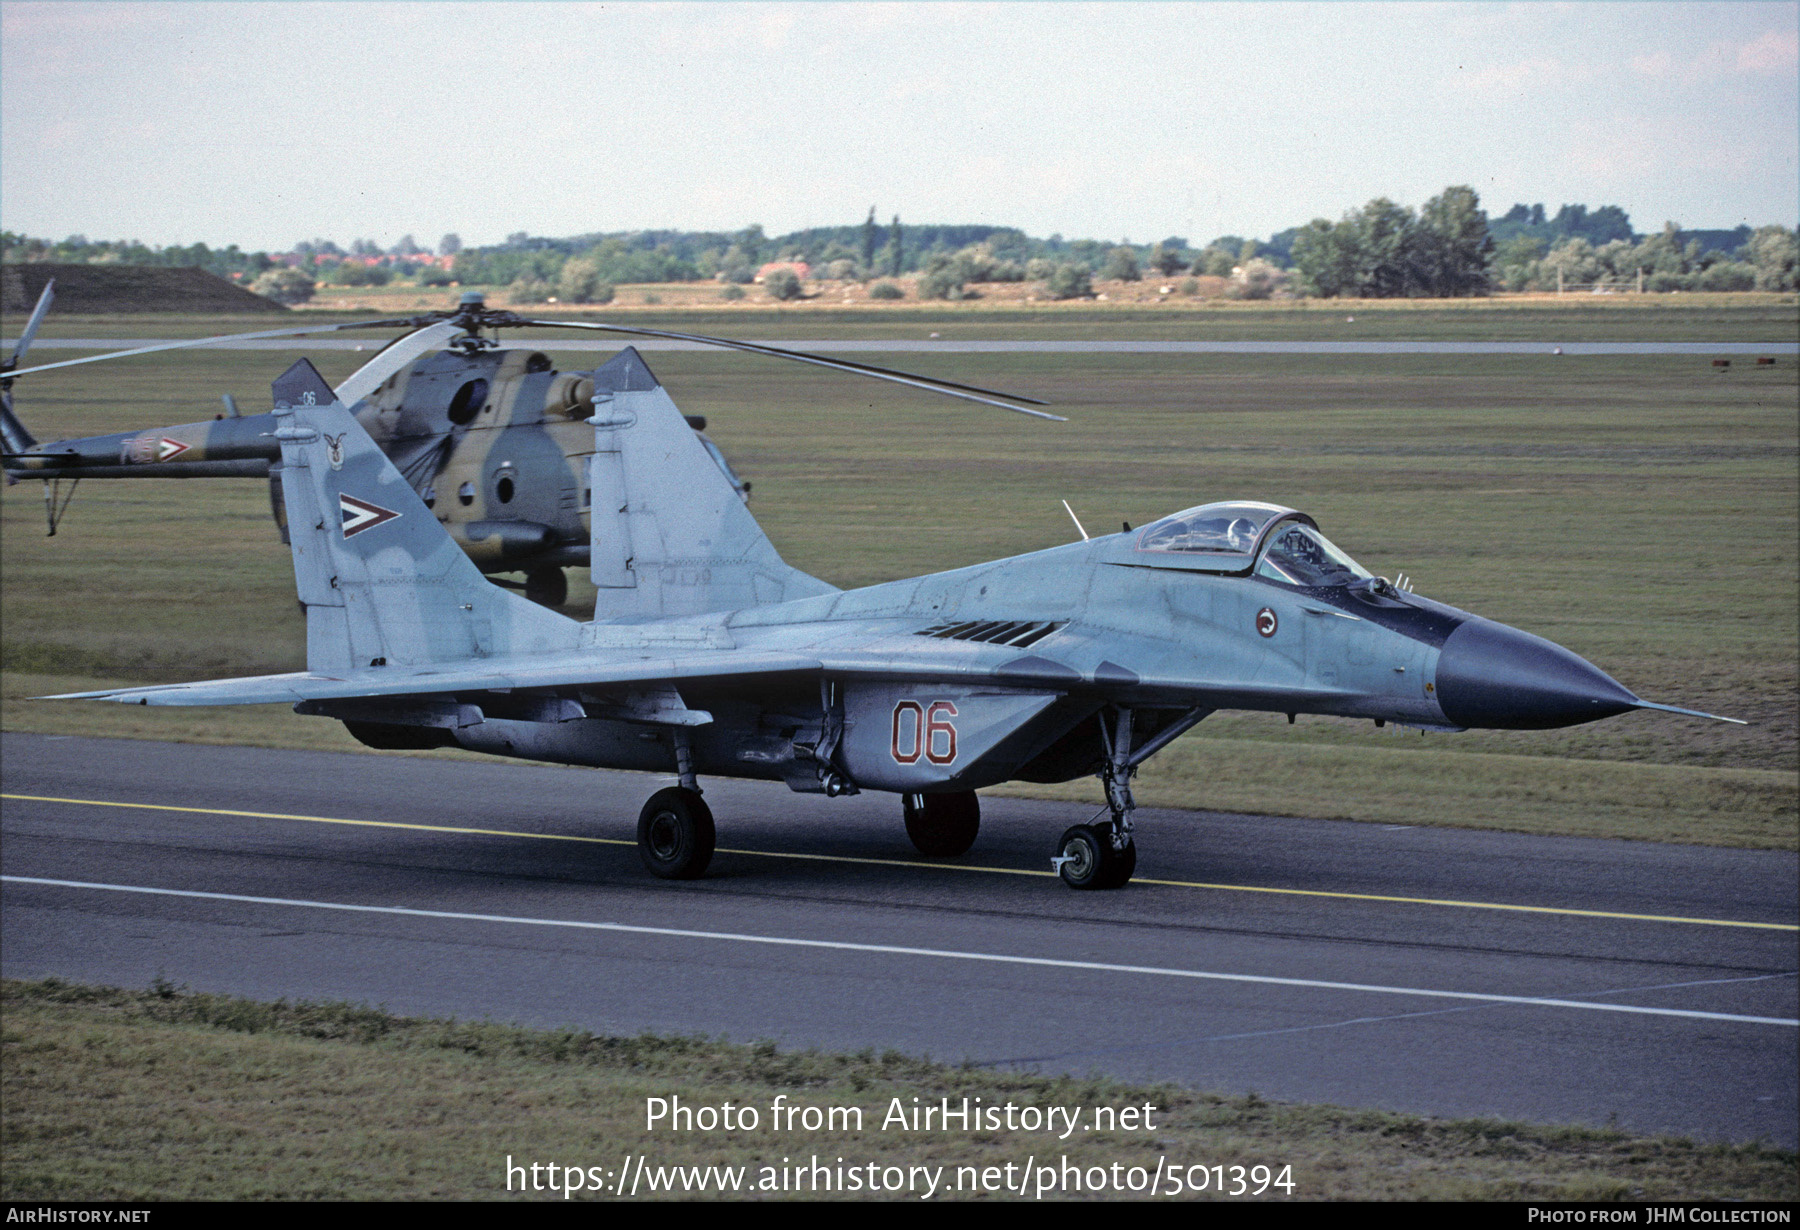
<point>360,515</point>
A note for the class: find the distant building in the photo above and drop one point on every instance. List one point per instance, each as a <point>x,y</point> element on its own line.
<point>800,268</point>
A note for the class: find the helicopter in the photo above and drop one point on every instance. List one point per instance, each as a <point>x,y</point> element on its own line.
<point>709,654</point>
<point>492,439</point>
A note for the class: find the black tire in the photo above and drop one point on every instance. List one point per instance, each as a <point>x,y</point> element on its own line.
<point>1085,854</point>
<point>942,825</point>
<point>547,586</point>
<point>1091,862</point>
<point>1124,863</point>
<point>675,834</point>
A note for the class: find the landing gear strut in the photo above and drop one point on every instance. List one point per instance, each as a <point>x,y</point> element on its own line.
<point>1103,855</point>
<point>675,829</point>
<point>942,825</point>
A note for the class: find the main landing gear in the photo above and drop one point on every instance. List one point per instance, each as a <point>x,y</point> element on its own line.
<point>675,834</point>
<point>942,825</point>
<point>675,830</point>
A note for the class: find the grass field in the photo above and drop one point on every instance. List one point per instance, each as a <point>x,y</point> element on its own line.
<point>117,1095</point>
<point>1641,511</point>
<point>1543,318</point>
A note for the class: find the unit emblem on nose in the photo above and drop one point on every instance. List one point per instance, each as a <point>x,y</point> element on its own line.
<point>1266,623</point>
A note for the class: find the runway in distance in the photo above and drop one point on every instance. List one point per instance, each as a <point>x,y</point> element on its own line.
<point>709,655</point>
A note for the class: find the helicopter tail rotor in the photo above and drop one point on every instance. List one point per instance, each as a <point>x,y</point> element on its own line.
<point>13,436</point>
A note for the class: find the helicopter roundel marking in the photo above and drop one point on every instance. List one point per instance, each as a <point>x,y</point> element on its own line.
<point>1266,623</point>
<point>360,515</point>
<point>169,450</point>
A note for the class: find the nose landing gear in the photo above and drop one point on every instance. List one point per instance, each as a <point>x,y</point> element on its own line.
<point>1103,855</point>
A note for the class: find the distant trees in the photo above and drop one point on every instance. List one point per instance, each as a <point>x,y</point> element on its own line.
<point>1671,260</point>
<point>579,281</point>
<point>1384,250</point>
<point>1069,281</point>
<point>783,285</point>
<point>1122,265</point>
<point>1447,247</point>
<point>288,286</point>
<point>1169,257</point>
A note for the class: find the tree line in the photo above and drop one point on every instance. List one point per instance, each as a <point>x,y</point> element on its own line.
<point>1448,247</point>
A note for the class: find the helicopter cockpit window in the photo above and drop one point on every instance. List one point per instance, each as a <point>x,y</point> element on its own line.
<point>1299,555</point>
<point>467,402</point>
<point>1229,529</point>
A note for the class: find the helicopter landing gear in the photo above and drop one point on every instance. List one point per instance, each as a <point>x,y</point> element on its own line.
<point>942,825</point>
<point>547,586</point>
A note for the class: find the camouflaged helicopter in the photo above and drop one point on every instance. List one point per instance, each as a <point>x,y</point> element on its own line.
<point>708,654</point>
<point>492,439</point>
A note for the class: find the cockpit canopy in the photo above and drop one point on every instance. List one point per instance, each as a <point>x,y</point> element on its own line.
<point>1230,528</point>
<point>1236,536</point>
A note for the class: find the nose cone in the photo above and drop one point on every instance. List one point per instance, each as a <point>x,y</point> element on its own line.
<point>1493,676</point>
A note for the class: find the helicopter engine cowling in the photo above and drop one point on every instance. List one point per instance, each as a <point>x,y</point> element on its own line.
<point>491,541</point>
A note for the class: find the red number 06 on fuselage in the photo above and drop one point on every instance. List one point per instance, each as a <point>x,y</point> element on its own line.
<point>921,731</point>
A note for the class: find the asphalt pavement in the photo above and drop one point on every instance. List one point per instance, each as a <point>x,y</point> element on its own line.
<point>1434,971</point>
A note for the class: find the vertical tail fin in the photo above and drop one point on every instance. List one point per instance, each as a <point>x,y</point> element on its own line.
<point>381,580</point>
<point>670,535</point>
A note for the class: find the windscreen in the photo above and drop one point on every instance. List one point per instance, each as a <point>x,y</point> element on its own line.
<point>1299,555</point>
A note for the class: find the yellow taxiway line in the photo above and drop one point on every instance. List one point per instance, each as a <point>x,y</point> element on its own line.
<point>897,862</point>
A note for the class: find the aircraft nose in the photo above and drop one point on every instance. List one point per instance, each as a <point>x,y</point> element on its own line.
<point>1493,676</point>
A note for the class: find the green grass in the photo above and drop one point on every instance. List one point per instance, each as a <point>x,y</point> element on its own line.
<point>165,1095</point>
<point>1641,511</point>
<point>1584,318</point>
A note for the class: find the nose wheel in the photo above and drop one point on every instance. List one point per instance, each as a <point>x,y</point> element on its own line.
<point>1103,855</point>
<point>1087,858</point>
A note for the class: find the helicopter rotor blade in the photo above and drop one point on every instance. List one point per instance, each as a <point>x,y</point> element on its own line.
<point>949,388</point>
<point>391,358</point>
<point>45,298</point>
<point>210,341</point>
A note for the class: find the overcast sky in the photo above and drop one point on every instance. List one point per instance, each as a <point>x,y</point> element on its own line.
<point>266,123</point>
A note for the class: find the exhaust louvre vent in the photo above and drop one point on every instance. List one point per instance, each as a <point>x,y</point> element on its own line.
<point>1017,633</point>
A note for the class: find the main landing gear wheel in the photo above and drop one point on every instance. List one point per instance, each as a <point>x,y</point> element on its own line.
<point>1086,858</point>
<point>547,586</point>
<point>942,825</point>
<point>675,834</point>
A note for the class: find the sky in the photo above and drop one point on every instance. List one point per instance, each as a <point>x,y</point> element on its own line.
<point>263,124</point>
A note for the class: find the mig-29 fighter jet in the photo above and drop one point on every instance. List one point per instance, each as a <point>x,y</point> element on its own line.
<point>709,655</point>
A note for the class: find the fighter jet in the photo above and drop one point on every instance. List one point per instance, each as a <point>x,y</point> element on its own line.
<point>709,655</point>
